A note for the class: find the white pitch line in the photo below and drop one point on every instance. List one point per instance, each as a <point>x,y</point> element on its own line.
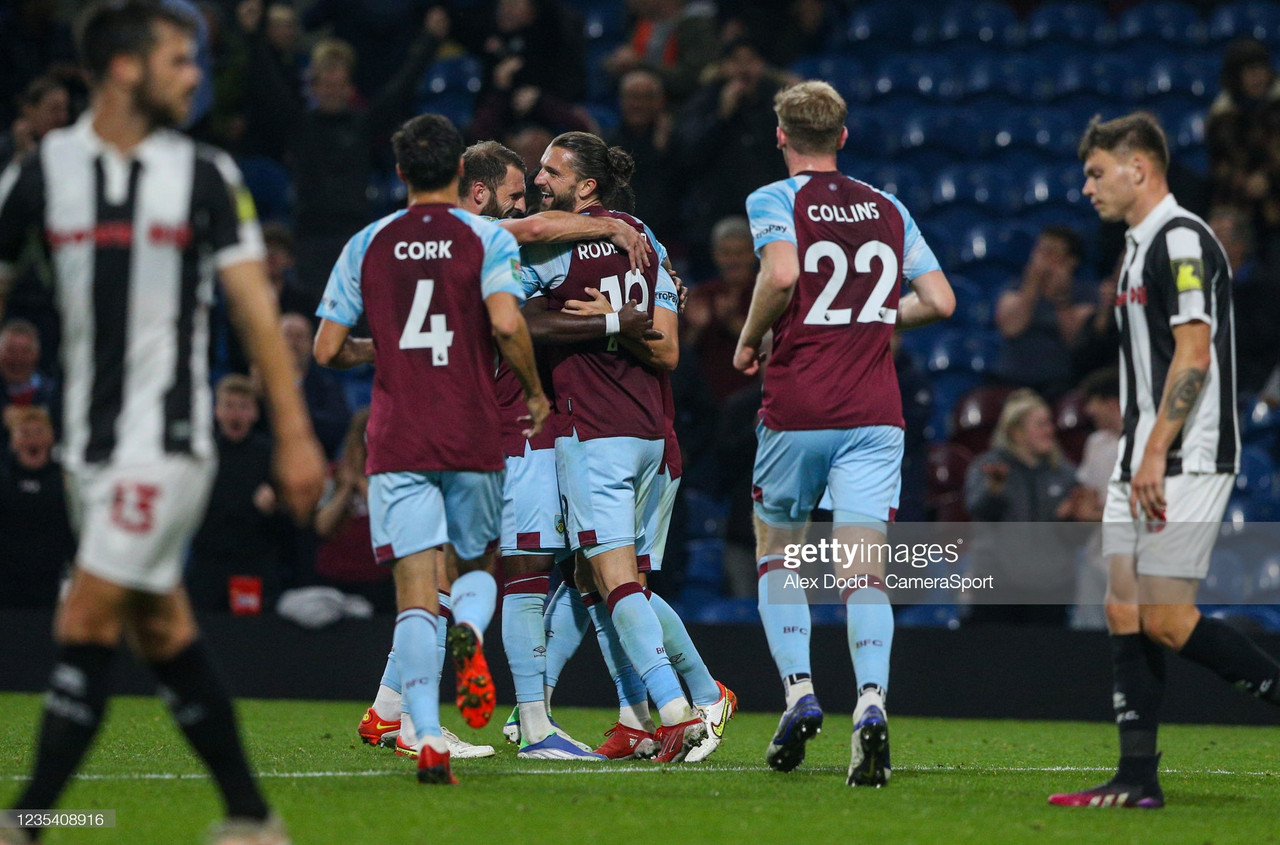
<point>630,770</point>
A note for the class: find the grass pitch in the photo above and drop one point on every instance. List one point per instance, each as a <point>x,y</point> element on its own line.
<point>953,781</point>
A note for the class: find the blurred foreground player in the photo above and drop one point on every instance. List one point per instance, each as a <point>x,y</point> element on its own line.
<point>137,216</point>
<point>440,285</point>
<point>1179,453</point>
<point>833,252</point>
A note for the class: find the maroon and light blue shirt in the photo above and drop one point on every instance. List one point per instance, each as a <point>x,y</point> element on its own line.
<point>831,366</point>
<point>600,389</point>
<point>422,276</point>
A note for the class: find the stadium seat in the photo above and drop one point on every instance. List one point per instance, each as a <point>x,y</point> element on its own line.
<point>1073,426</point>
<point>868,135</point>
<point>886,23</point>
<point>1257,474</point>
<point>924,75</point>
<point>947,465</point>
<point>1055,22</point>
<point>1252,18</point>
<point>973,418</point>
<point>1055,186</point>
<point>988,187</point>
<point>1189,131</point>
<point>269,183</point>
<point>948,387</point>
<point>1027,78</point>
<point>845,73</point>
<point>1189,77</point>
<point>928,615</point>
<point>974,304</point>
<point>606,117</point>
<point>1227,581</point>
<point>1118,77</point>
<point>904,182</point>
<point>1266,584</point>
<point>1259,423</point>
<point>1165,20</point>
<point>984,21</point>
<point>704,514</point>
<point>602,20</point>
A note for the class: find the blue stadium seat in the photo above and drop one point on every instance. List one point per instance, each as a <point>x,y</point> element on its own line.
<point>1023,77</point>
<point>957,131</point>
<point>268,181</point>
<point>984,21</point>
<point>450,87</point>
<point>927,76</point>
<point>868,135</point>
<point>606,116</point>
<point>357,383</point>
<point>990,187</point>
<point>1228,580</point>
<point>1252,18</point>
<point>1166,20</point>
<point>975,306</point>
<point>1259,423</point>
<point>1065,21</point>
<point>1192,77</point>
<point>886,23</point>
<point>603,21</point>
<point>1257,474</point>
<point>905,183</point>
<point>948,387</point>
<point>707,608</point>
<point>1055,186</point>
<point>844,73</point>
<point>1266,584</point>
<point>1173,109</point>
<point>1118,77</point>
<point>704,514</point>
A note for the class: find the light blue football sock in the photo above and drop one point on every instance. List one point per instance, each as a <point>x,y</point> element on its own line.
<point>640,633</point>
<point>626,680</point>
<point>870,635</point>
<point>683,654</point>
<point>523,637</point>
<point>786,626</point>
<point>565,623</point>
<point>416,657</point>
<point>391,673</point>
<point>474,596</point>
<point>442,634</point>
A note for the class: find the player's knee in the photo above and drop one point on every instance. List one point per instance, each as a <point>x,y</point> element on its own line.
<point>162,636</point>
<point>1166,624</point>
<point>1122,618</point>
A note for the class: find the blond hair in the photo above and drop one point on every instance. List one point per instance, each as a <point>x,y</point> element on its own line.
<point>1014,414</point>
<point>20,415</point>
<point>812,114</point>
<point>235,384</point>
<point>332,52</point>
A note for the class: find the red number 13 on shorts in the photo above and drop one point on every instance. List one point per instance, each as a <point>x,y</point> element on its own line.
<point>133,506</point>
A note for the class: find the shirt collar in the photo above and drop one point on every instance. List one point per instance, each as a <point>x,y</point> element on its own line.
<point>97,146</point>
<point>1154,220</point>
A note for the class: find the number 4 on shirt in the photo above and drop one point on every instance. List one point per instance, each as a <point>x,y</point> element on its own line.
<point>439,338</point>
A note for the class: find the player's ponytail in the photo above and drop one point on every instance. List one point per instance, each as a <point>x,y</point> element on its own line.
<point>611,167</point>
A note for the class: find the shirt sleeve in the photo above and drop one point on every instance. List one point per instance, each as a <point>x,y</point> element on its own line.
<point>233,219</point>
<point>1187,273</point>
<point>501,272</point>
<point>21,211</point>
<point>665,295</point>
<point>771,211</point>
<point>543,267</point>
<point>343,302</point>
<point>917,257</point>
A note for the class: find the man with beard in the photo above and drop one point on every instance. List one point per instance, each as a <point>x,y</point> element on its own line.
<point>137,216</point>
<point>492,185</point>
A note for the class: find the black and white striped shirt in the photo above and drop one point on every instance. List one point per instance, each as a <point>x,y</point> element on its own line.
<point>134,242</point>
<point>1174,272</point>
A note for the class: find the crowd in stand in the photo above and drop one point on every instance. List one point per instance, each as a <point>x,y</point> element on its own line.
<point>306,95</point>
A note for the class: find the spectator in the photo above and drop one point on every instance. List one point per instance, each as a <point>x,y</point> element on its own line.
<point>1243,137</point>
<point>282,269</point>
<point>321,387</point>
<point>530,142</point>
<point>345,557</point>
<point>1256,291</point>
<point>1022,479</point>
<point>251,130</point>
<point>505,107</point>
<point>726,142</point>
<point>382,32</point>
<point>1101,391</point>
<point>32,39</point>
<point>238,538</point>
<point>538,43</point>
<point>330,145</point>
<point>644,130</point>
<point>35,533</point>
<point>1041,317</point>
<point>22,383</point>
<point>674,38</point>
<point>1098,344</point>
<point>717,309</point>
<point>806,28</point>
<point>45,105</point>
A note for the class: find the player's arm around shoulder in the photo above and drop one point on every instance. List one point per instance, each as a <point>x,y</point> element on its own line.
<point>501,288</point>
<point>552,227</point>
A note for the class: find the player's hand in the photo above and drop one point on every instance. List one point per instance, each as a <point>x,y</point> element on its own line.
<point>299,471</point>
<point>1146,489</point>
<point>539,410</point>
<point>597,304</point>
<point>682,292</point>
<point>747,359</point>
<point>636,324</point>
<point>631,242</point>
